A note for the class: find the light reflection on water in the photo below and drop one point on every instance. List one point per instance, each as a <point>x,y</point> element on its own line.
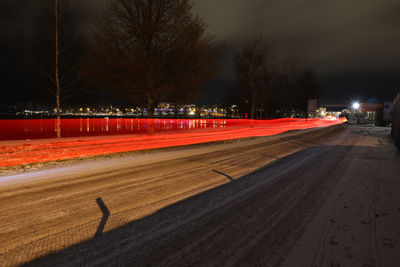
<point>46,128</point>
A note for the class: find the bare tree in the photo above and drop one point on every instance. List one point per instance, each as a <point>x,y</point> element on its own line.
<point>277,90</point>
<point>57,67</point>
<point>288,76</point>
<point>252,68</point>
<point>151,50</point>
<point>55,53</point>
<point>296,82</point>
<point>308,88</point>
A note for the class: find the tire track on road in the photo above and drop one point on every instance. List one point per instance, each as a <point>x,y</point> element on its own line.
<point>138,191</point>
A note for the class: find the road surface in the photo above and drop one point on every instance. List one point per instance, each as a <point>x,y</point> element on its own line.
<point>321,197</point>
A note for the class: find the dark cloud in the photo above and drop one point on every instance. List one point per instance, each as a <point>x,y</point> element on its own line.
<point>338,35</point>
<point>360,85</point>
<point>341,38</point>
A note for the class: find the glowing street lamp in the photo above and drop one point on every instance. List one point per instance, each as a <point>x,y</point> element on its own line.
<point>356,106</point>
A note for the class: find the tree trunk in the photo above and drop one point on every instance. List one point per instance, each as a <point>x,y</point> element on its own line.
<point>150,112</point>
<point>176,111</point>
<point>253,110</point>
<point>253,101</point>
<point>57,70</point>
<point>150,106</point>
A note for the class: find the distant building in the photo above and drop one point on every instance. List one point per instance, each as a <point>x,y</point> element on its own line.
<point>396,121</point>
<point>388,111</point>
<point>312,108</point>
<point>372,110</point>
<point>321,112</point>
<point>333,110</point>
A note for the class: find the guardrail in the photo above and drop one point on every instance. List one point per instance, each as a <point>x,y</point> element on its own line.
<point>396,121</point>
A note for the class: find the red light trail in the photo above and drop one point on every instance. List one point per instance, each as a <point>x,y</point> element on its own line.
<point>145,134</point>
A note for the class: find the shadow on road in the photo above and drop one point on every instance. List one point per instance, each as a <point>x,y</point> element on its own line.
<point>226,175</point>
<point>142,234</point>
<point>106,214</point>
<point>151,239</point>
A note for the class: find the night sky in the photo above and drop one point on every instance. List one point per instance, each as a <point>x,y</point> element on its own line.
<point>354,45</point>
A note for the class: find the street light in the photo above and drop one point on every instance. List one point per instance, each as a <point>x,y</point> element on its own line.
<point>356,106</point>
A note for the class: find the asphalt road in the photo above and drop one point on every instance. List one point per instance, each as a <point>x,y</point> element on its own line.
<point>310,198</point>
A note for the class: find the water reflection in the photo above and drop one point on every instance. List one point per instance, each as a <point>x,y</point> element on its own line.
<point>39,129</point>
